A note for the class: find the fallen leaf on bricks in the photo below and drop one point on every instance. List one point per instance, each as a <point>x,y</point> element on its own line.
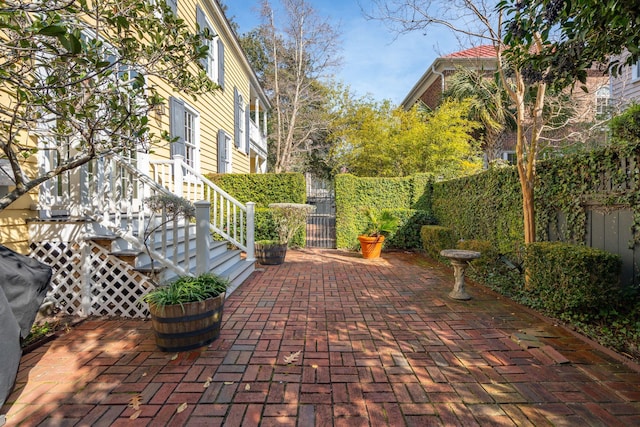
<point>208,382</point>
<point>181,408</point>
<point>135,415</point>
<point>247,387</point>
<point>174,357</point>
<point>292,358</point>
<point>135,402</point>
<point>228,382</point>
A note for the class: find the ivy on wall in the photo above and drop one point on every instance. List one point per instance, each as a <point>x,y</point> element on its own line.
<point>406,197</point>
<point>489,205</point>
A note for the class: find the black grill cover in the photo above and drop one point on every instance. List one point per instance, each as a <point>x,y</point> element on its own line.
<point>24,283</point>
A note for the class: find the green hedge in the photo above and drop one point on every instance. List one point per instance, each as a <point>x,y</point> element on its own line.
<point>263,189</point>
<point>436,238</point>
<point>403,196</point>
<point>486,206</point>
<point>566,279</point>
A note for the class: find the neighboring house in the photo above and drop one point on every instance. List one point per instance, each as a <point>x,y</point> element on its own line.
<point>433,83</point>
<point>223,131</point>
<point>625,87</point>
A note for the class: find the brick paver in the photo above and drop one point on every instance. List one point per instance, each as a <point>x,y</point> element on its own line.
<point>380,344</point>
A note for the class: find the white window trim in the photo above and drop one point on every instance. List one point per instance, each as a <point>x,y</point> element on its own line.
<point>229,151</point>
<point>242,126</point>
<point>635,72</point>
<point>213,56</point>
<point>196,134</point>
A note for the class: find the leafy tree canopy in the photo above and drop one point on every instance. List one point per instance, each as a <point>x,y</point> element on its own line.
<point>380,140</point>
<point>576,35</point>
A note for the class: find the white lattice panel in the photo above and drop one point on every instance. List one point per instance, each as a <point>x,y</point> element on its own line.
<point>65,260</point>
<point>117,289</point>
<point>114,287</point>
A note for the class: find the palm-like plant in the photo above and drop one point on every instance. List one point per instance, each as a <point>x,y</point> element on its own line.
<point>489,105</point>
<point>380,223</point>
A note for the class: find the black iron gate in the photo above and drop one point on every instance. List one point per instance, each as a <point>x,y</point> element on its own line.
<point>321,224</point>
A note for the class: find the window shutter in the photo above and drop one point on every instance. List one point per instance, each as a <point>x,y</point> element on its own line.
<point>236,118</point>
<point>173,5</point>
<point>176,123</point>
<point>247,126</point>
<point>222,152</point>
<point>220,63</point>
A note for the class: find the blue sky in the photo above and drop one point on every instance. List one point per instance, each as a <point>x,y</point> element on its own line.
<point>375,61</point>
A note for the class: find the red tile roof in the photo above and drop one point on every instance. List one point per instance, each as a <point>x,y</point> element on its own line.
<point>483,51</point>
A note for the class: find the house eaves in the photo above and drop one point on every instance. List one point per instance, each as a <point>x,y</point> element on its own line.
<point>442,65</point>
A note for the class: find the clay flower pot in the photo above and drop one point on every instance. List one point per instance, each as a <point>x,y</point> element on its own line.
<point>371,246</point>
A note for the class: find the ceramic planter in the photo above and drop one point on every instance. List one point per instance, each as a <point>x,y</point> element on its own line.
<point>371,246</point>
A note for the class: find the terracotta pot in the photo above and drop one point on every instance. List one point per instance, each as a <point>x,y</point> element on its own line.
<point>270,254</point>
<point>371,246</point>
<point>187,326</point>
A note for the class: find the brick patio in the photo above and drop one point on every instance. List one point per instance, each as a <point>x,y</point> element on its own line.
<point>381,344</point>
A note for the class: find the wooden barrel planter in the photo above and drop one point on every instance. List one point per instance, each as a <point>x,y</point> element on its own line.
<point>270,254</point>
<point>371,246</point>
<point>183,327</point>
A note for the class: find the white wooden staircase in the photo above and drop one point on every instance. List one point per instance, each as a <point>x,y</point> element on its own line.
<point>94,231</point>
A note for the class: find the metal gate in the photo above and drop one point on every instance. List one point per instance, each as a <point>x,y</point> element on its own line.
<point>321,224</point>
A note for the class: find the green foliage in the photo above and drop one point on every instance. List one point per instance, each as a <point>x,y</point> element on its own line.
<point>486,206</point>
<point>265,229</point>
<point>407,235</point>
<point>77,69</point>
<point>354,194</point>
<point>575,35</point>
<point>626,126</point>
<point>379,223</point>
<point>567,279</point>
<point>289,219</point>
<point>488,254</point>
<point>436,238</point>
<point>379,140</point>
<point>187,289</point>
<point>263,189</point>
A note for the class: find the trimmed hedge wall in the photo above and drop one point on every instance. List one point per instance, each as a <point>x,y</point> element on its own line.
<point>405,197</point>
<point>566,279</point>
<point>264,189</point>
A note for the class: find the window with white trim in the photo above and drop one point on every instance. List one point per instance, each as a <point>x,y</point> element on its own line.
<point>603,97</point>
<point>635,71</point>
<point>184,121</point>
<point>510,156</point>
<point>190,137</point>
<point>213,63</point>
<point>224,152</point>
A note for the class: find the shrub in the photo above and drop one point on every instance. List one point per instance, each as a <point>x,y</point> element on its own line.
<point>488,254</point>
<point>407,236</point>
<point>626,126</point>
<point>567,280</point>
<point>436,238</point>
<point>289,219</point>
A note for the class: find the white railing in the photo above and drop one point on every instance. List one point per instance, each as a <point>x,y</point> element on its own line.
<point>230,219</point>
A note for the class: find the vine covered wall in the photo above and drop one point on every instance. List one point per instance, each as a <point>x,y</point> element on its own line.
<point>407,197</point>
<point>569,191</point>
